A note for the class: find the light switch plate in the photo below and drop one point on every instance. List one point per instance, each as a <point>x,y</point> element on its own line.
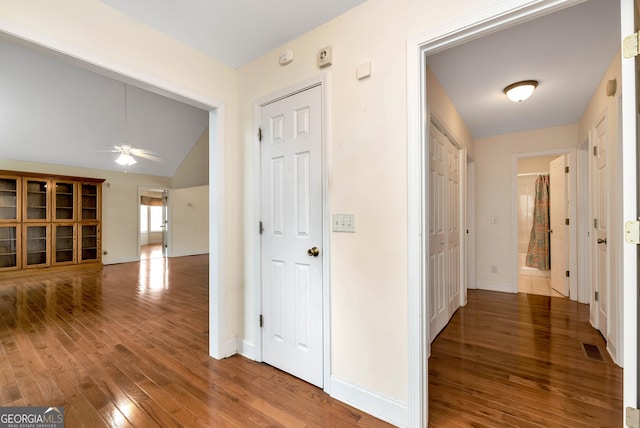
<point>344,223</point>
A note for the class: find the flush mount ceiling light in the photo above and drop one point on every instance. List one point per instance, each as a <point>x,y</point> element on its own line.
<point>520,91</point>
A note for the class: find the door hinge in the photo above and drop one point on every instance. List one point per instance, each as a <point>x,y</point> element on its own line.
<point>630,45</point>
<point>567,274</point>
<point>632,417</point>
<point>260,228</point>
<point>632,232</point>
<point>260,134</point>
<point>595,150</point>
<point>597,296</point>
<point>260,320</point>
<point>566,221</point>
<point>595,223</point>
<point>566,170</point>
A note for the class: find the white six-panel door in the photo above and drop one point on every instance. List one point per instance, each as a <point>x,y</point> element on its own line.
<point>291,271</point>
<point>444,230</point>
<point>559,238</point>
<point>601,225</point>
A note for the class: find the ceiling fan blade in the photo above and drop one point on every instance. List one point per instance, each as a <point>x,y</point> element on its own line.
<point>146,155</point>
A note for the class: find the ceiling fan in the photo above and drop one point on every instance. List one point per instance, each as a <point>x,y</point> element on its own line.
<point>129,152</point>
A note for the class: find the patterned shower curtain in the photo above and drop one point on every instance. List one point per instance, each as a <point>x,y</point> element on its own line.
<point>538,254</point>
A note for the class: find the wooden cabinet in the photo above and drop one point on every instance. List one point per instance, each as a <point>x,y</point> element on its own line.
<point>48,221</point>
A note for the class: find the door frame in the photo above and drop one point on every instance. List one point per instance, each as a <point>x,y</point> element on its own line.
<point>120,71</point>
<point>166,252</point>
<point>574,280</point>
<point>474,25</point>
<point>319,80</point>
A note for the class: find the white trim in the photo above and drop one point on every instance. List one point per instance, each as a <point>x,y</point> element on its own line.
<point>503,287</point>
<point>169,238</point>
<point>629,212</point>
<point>504,14</point>
<point>387,409</point>
<point>583,220</point>
<point>247,349</point>
<point>319,80</point>
<point>122,72</point>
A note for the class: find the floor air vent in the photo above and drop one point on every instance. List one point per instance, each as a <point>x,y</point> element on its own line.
<point>592,352</point>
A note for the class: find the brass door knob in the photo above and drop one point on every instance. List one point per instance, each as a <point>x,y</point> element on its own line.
<point>602,241</point>
<point>314,251</point>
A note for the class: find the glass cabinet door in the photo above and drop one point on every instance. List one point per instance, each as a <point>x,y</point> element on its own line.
<point>36,248</point>
<point>90,204</point>
<point>9,199</point>
<point>89,243</point>
<point>9,241</point>
<point>36,200</point>
<point>64,239</point>
<point>64,194</point>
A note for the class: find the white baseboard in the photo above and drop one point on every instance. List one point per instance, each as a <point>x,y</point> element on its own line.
<point>505,287</point>
<point>230,347</point>
<point>189,253</point>
<point>387,409</point>
<point>247,349</point>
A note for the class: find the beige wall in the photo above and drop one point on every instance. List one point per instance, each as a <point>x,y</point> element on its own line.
<point>194,170</point>
<point>494,197</point>
<point>600,106</point>
<point>443,109</point>
<point>189,214</point>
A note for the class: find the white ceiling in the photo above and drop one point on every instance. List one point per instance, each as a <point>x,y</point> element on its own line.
<point>568,52</point>
<point>233,31</point>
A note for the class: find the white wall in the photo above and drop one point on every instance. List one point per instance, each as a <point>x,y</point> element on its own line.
<point>494,197</point>
<point>189,214</point>
<point>194,170</point>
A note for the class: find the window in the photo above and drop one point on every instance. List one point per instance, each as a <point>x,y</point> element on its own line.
<point>150,219</point>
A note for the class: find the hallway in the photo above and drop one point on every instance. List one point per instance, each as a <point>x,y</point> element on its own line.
<point>518,360</point>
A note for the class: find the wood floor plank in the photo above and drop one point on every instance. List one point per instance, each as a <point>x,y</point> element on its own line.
<point>127,346</point>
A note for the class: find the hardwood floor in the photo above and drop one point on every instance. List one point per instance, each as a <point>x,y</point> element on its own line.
<point>128,346</point>
<point>517,360</point>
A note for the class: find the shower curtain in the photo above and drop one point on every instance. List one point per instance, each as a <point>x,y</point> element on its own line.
<point>538,254</point>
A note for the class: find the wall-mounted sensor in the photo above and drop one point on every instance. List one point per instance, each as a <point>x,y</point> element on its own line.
<point>286,57</point>
<point>325,56</point>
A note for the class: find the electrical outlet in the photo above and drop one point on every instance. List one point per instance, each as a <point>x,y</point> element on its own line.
<point>105,252</point>
<point>494,269</point>
<point>325,56</point>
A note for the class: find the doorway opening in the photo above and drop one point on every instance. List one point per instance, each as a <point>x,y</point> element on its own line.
<point>545,248</point>
<point>153,224</point>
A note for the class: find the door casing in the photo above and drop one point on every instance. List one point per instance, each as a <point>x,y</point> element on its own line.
<point>319,80</point>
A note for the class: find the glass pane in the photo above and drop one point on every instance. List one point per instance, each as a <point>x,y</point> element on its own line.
<point>8,254</point>
<point>8,198</point>
<point>89,202</point>
<point>64,244</point>
<point>64,201</point>
<point>36,245</point>
<point>36,200</point>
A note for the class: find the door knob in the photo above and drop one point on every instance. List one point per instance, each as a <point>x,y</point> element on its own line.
<point>314,251</point>
<point>602,241</point>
